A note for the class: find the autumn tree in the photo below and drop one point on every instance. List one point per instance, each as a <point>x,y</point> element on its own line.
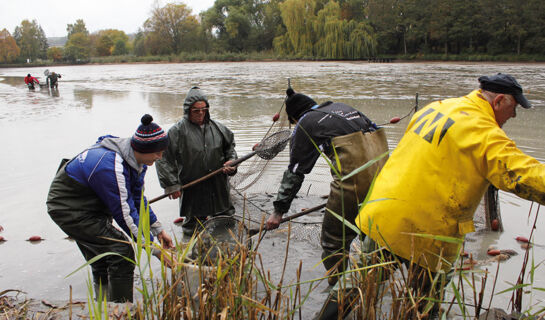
<point>9,51</point>
<point>55,53</point>
<point>31,39</point>
<point>243,25</point>
<point>78,45</point>
<point>78,27</point>
<point>104,41</point>
<point>172,25</point>
<point>120,48</point>
<point>104,45</point>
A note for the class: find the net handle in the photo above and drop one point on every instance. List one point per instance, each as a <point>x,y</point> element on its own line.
<point>208,176</point>
<point>234,163</point>
<point>254,231</point>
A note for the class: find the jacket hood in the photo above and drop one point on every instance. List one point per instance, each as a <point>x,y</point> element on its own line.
<point>195,94</point>
<point>121,146</point>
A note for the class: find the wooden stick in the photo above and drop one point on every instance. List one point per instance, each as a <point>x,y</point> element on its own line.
<point>293,216</point>
<point>211,174</point>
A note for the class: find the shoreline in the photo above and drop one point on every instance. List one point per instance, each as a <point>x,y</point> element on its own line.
<point>175,60</point>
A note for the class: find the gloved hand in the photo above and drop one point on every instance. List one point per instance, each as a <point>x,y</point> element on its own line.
<point>273,221</point>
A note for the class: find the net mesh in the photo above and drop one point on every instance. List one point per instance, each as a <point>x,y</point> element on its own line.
<point>273,144</point>
<point>254,187</point>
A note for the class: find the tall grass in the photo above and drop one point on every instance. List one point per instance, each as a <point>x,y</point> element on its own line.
<point>233,283</point>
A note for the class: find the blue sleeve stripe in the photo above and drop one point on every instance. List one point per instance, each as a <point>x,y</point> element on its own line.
<point>124,195</point>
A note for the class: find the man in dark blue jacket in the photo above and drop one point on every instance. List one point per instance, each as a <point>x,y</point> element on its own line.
<point>350,140</point>
<point>103,182</point>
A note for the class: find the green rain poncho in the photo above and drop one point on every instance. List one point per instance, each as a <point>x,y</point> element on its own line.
<point>193,152</point>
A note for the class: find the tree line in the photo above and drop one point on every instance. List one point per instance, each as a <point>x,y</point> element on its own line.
<point>313,29</point>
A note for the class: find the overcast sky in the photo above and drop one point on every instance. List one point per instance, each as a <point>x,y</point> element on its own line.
<point>54,15</point>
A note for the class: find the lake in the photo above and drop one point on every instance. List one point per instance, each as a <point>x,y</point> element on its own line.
<point>40,128</point>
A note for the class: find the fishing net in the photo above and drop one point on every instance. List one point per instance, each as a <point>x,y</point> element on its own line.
<point>254,187</point>
<point>272,144</point>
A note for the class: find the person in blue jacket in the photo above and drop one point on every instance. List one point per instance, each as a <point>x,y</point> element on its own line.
<point>105,183</point>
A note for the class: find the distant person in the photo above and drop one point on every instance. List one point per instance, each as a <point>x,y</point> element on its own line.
<point>52,80</point>
<point>198,146</point>
<point>30,80</point>
<point>106,181</point>
<point>344,134</point>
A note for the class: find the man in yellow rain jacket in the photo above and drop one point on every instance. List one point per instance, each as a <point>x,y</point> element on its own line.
<point>435,178</point>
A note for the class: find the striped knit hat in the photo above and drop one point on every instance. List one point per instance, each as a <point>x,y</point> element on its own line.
<point>149,137</point>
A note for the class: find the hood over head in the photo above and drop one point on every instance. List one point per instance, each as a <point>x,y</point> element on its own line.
<point>195,94</point>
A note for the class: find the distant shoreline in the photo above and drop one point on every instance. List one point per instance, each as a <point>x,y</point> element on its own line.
<point>267,57</point>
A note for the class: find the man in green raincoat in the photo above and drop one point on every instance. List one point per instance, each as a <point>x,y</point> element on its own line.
<point>198,146</point>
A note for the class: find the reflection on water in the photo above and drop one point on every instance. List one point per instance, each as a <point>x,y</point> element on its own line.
<point>40,127</point>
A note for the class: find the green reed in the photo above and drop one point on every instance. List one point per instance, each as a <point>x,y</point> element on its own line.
<point>234,284</point>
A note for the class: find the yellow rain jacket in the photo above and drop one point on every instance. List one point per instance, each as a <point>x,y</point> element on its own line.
<point>435,178</point>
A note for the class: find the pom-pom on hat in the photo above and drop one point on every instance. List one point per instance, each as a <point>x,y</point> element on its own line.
<point>149,137</point>
<point>297,104</point>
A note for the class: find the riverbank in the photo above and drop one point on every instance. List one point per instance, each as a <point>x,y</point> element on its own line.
<point>19,307</point>
<point>267,56</point>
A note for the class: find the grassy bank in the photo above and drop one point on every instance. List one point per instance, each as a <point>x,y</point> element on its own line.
<point>271,56</point>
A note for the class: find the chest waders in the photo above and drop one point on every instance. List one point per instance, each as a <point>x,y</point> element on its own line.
<point>78,211</point>
<point>353,151</point>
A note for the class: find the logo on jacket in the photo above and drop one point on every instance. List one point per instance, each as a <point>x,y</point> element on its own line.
<point>429,126</point>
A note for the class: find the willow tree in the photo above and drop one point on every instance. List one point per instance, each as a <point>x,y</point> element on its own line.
<point>298,17</point>
<point>362,41</point>
<point>328,30</point>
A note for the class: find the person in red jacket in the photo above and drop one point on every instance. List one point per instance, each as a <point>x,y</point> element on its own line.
<point>29,81</point>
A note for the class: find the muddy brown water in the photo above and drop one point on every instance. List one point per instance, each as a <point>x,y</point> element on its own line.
<point>40,127</point>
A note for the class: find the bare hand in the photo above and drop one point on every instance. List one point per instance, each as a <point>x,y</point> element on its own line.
<point>227,169</point>
<point>274,221</point>
<point>165,240</point>
<point>175,195</point>
<point>168,256</point>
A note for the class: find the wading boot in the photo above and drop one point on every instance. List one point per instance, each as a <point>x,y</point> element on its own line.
<point>101,291</point>
<point>331,308</point>
<point>120,289</point>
